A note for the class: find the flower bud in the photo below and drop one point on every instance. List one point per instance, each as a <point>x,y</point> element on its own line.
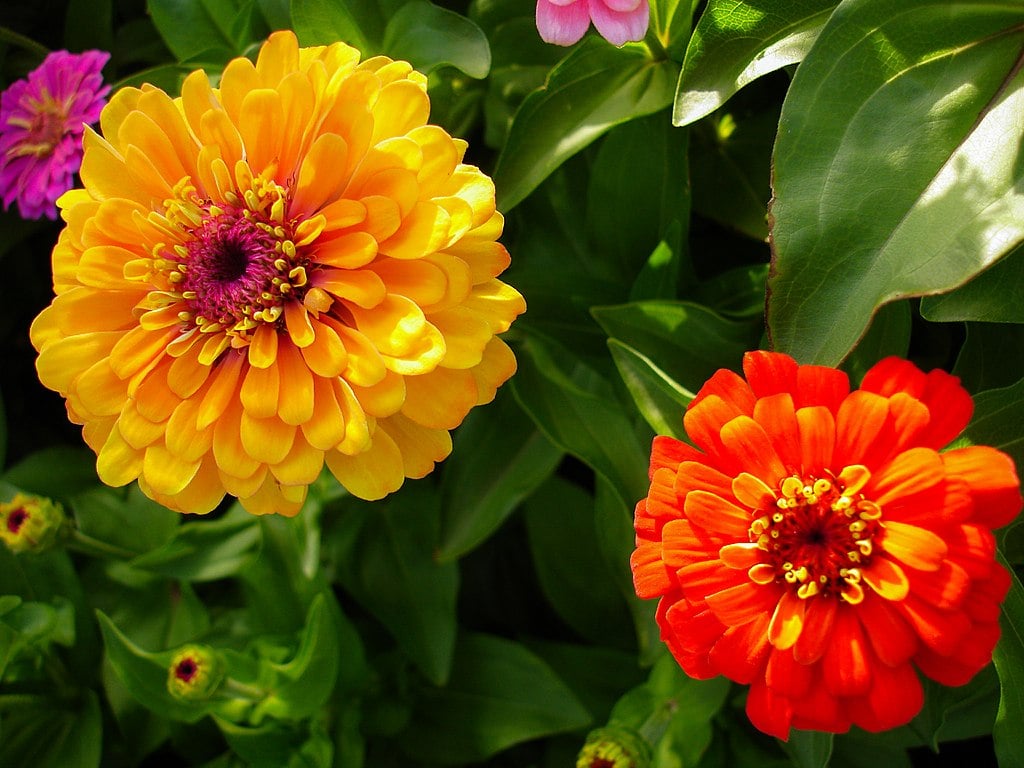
<point>614,747</point>
<point>30,523</point>
<point>195,673</point>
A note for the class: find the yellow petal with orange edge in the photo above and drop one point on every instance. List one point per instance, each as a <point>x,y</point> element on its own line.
<point>441,156</point>
<point>138,431</point>
<point>424,357</point>
<point>153,397</point>
<point>122,103</point>
<point>741,555</point>
<point>260,124</point>
<point>260,391</point>
<point>886,578</point>
<point>326,428</point>
<point>398,184</point>
<point>295,399</point>
<point>223,390</point>
<point>142,167</point>
<point>298,102</point>
<point>393,327</point>
<point>917,547</point>
<point>238,78</point>
<point>93,309</point>
<point>103,171</point>
<point>165,472</point>
<point>99,390</point>
<point>383,398</point>
<point>263,347</point>
<point>349,250</point>
<point>102,266</point>
<point>327,356</point>
<point>466,333</point>
<point>301,466</point>
<point>421,447</point>
<point>477,189</point>
<point>266,440</point>
<point>458,277</point>
<point>361,287</point>
<point>383,217</point>
<point>364,365</point>
<point>277,57</point>
<point>240,487</point>
<point>316,185</point>
<point>496,367</point>
<point>497,302</point>
<point>424,231</point>
<point>342,214</point>
<point>372,474</point>
<point>182,438</point>
<point>186,374</point>
<point>138,348</point>
<point>358,426</point>
<point>752,492</point>
<point>275,499</point>
<point>401,106</point>
<point>440,399</point>
<point>142,132</point>
<point>228,450</point>
<point>217,130</point>
<point>420,281</point>
<point>202,495</point>
<point>787,621</point>
<point>296,321</point>
<point>117,463</point>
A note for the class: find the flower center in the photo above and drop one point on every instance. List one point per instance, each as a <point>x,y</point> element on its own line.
<point>16,519</point>
<point>237,263</point>
<point>186,670</point>
<point>819,535</point>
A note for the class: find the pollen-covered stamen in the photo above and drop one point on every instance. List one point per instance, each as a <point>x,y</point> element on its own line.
<point>818,536</point>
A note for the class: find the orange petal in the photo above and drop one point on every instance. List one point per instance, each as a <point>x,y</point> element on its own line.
<point>266,440</point>
<point>847,662</point>
<point>301,466</point>
<point>650,576</point>
<point>744,602</point>
<point>863,430</point>
<point>669,452</point>
<point>717,515</point>
<point>263,347</point>
<point>949,407</point>
<point>817,438</point>
<point>750,448</point>
<point>817,630</point>
<point>993,483</point>
<point>917,547</point>
<point>819,385</point>
<point>787,621</point>
<point>372,474</point>
<point>913,471</point>
<point>222,391</point>
<point>421,447</point>
<point>777,416</point>
<point>886,578</point>
<point>891,637</point>
<point>769,373</point>
<point>260,391</point>
<point>895,698</point>
<point>166,473</point>
<point>751,492</point>
<point>295,401</point>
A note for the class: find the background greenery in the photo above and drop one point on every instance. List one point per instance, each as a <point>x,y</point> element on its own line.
<point>485,616</point>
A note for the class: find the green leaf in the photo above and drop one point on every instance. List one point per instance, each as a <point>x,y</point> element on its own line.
<point>190,27</point>
<point>660,400</point>
<point>736,42</point>
<point>145,675</point>
<point>499,695</point>
<point>964,712</point>
<point>1009,660</point>
<point>574,407</point>
<point>810,749</point>
<point>672,21</point>
<point>560,525</point>
<point>990,356</point>
<point>205,550</point>
<point>687,341</point>
<point>267,746</point>
<point>360,23</point>
<point>994,296</point>
<point>386,561</point>
<point>594,88</point>
<point>53,735</point>
<point>125,519</point>
<point>998,414</point>
<point>498,459</point>
<point>35,472</point>
<point>429,37</point>
<point>888,334</point>
<point>659,277</point>
<point>301,686</point>
<point>897,167</point>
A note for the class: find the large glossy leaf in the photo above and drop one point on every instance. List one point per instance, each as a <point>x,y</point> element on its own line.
<point>428,37</point>
<point>660,400</point>
<point>499,694</point>
<point>897,166</point>
<point>994,296</point>
<point>1009,660</point>
<point>990,356</point>
<point>575,408</point>
<point>498,459</point>
<point>53,734</point>
<point>360,23</point>
<point>594,88</point>
<point>191,27</point>
<point>737,42</point>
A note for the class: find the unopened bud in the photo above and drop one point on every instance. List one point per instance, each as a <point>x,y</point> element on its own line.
<point>195,674</point>
<point>30,523</point>
<point>614,747</point>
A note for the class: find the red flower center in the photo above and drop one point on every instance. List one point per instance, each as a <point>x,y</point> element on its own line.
<point>818,537</point>
<point>16,519</point>
<point>186,670</point>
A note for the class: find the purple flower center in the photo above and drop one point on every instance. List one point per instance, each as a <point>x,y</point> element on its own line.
<point>186,670</point>
<point>234,267</point>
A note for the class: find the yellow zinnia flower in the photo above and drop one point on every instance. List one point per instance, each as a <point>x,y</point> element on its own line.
<point>288,270</point>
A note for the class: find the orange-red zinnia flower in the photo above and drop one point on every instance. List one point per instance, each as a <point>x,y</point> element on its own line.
<point>817,546</point>
<point>287,270</point>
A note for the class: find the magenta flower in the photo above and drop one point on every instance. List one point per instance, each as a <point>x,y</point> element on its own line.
<point>42,119</point>
<point>563,22</point>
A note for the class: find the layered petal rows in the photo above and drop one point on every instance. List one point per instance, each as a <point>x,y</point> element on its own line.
<point>816,545</point>
<point>289,270</point>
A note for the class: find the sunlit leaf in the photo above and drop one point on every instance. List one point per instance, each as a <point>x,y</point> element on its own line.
<point>428,37</point>
<point>926,92</point>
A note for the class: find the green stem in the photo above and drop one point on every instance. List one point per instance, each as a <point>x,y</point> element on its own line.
<point>10,36</point>
<point>86,544</point>
<point>16,700</point>
<point>244,690</point>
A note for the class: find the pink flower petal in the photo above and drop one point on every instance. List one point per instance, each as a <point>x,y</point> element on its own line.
<point>618,27</point>
<point>562,25</point>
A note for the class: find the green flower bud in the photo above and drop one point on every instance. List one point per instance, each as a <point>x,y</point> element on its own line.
<point>614,747</point>
<point>30,523</point>
<point>195,673</point>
